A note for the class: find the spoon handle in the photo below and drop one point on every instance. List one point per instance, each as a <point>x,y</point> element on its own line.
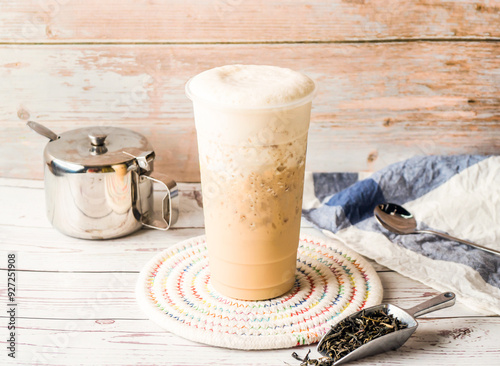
<point>436,303</point>
<point>446,236</point>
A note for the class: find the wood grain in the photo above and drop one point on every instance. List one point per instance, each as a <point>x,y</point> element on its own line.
<point>132,342</point>
<point>88,277</point>
<point>377,102</point>
<point>53,21</point>
<point>110,295</point>
<point>19,225</point>
<point>87,313</point>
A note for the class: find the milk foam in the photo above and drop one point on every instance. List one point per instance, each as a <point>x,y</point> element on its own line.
<point>250,86</point>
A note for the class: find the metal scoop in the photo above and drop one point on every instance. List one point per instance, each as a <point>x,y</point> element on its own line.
<point>395,339</point>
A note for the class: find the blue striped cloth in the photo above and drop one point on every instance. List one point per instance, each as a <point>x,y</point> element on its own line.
<point>459,195</point>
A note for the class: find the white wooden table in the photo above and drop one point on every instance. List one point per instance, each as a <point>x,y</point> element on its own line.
<point>76,305</point>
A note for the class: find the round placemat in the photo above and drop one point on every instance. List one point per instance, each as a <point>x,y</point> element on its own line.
<point>331,282</point>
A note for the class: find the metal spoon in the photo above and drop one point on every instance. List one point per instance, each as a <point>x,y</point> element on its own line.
<point>396,219</point>
<point>42,130</point>
<point>395,339</point>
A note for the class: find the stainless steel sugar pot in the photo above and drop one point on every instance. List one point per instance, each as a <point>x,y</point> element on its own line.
<point>99,183</point>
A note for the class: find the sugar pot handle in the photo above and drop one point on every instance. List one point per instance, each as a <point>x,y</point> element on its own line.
<point>169,205</point>
<point>170,202</point>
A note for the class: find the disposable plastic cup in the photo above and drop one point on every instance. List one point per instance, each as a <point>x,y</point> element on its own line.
<point>252,162</point>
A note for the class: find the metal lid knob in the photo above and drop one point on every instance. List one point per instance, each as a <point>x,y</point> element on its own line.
<point>97,142</point>
<point>97,139</point>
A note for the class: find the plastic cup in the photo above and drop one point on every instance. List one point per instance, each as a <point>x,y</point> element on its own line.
<point>252,162</point>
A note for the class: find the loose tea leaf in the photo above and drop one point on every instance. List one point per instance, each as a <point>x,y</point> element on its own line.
<point>306,361</point>
<point>351,333</point>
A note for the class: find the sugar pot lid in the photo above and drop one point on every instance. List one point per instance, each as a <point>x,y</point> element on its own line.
<point>97,146</point>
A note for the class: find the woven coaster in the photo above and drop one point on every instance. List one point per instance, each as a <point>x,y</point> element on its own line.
<point>331,282</point>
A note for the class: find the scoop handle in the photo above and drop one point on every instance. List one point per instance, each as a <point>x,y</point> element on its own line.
<point>442,301</point>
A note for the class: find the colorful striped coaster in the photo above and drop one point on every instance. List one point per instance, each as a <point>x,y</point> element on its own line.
<point>331,282</point>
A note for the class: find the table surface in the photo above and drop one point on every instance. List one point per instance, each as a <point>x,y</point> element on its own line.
<point>76,304</point>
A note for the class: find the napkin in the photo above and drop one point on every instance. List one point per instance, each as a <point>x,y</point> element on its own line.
<point>459,195</point>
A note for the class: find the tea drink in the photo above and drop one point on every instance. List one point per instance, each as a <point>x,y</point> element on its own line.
<point>252,123</point>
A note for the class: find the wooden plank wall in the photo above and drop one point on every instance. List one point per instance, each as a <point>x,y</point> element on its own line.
<point>396,78</point>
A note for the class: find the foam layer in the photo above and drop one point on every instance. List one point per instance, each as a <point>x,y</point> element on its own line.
<point>250,86</point>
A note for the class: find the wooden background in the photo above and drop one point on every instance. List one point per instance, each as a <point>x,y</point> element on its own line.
<point>396,78</point>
